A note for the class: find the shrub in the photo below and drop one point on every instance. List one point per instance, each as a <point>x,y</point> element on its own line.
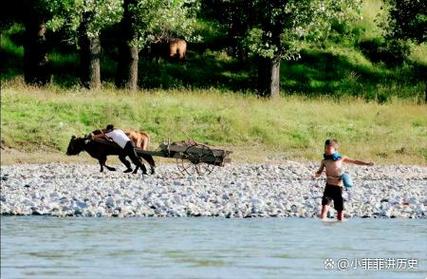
<point>391,53</point>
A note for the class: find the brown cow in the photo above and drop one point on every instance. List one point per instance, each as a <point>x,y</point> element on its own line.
<point>173,49</point>
<point>177,49</point>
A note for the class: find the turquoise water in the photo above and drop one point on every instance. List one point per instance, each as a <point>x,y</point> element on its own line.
<point>46,247</point>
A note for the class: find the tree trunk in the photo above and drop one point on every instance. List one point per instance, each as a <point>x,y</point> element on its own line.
<point>35,49</point>
<point>235,34</point>
<point>269,77</point>
<point>425,93</point>
<point>90,51</point>
<point>127,68</point>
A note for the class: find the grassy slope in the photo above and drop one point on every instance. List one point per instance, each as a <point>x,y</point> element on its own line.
<point>290,127</point>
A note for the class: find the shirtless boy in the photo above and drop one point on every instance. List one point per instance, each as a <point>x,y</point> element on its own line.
<point>333,163</point>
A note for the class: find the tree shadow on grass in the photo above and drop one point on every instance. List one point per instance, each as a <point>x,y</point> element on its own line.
<point>199,71</point>
<point>323,73</point>
<point>316,73</point>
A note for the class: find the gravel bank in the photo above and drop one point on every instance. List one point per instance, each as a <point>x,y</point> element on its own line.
<point>250,190</point>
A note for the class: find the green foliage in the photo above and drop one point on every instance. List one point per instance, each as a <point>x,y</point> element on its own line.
<point>337,71</point>
<point>335,67</point>
<point>208,32</point>
<point>392,53</point>
<point>158,20</point>
<point>282,26</point>
<point>407,20</point>
<point>11,54</point>
<point>419,54</point>
<point>367,26</point>
<point>69,14</point>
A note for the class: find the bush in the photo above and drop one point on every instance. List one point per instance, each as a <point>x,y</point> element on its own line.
<point>391,52</point>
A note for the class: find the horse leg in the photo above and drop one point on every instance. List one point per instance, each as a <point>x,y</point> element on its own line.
<point>110,168</point>
<point>139,164</point>
<point>122,159</point>
<point>130,151</point>
<point>102,166</point>
<point>135,171</point>
<point>150,161</point>
<point>138,145</point>
<point>102,162</point>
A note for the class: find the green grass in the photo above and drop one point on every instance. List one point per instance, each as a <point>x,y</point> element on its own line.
<point>292,127</point>
<point>419,54</point>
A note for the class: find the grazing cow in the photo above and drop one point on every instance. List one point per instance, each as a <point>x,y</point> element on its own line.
<point>100,151</point>
<point>172,49</point>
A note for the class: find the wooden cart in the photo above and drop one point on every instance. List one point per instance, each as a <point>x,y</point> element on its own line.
<point>191,157</point>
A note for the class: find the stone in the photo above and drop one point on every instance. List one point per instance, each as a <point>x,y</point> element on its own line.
<point>235,191</point>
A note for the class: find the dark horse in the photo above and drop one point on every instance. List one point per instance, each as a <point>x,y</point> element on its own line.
<point>100,151</point>
<point>139,139</point>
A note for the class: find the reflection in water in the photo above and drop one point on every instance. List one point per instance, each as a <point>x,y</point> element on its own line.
<point>44,247</point>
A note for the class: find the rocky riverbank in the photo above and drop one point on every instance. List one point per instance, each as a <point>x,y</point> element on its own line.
<point>250,190</point>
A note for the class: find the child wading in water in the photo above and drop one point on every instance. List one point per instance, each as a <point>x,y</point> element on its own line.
<point>333,163</point>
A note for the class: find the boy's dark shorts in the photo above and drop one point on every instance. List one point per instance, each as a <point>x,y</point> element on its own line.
<point>333,193</point>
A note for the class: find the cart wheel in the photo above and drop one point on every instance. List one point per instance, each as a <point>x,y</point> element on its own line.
<point>193,160</point>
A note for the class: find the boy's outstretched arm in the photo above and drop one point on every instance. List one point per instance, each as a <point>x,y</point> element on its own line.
<point>320,170</point>
<point>357,162</point>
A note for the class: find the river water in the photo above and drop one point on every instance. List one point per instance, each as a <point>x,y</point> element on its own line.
<point>47,247</point>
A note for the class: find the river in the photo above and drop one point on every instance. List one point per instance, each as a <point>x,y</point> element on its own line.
<point>49,247</point>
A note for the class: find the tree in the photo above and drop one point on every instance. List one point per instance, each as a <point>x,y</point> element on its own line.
<point>127,68</point>
<point>146,21</point>
<point>407,21</point>
<point>35,48</point>
<point>236,17</point>
<point>84,20</point>
<point>277,30</point>
<point>33,16</point>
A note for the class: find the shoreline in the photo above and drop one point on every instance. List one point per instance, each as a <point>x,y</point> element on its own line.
<point>234,191</point>
<point>248,155</point>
